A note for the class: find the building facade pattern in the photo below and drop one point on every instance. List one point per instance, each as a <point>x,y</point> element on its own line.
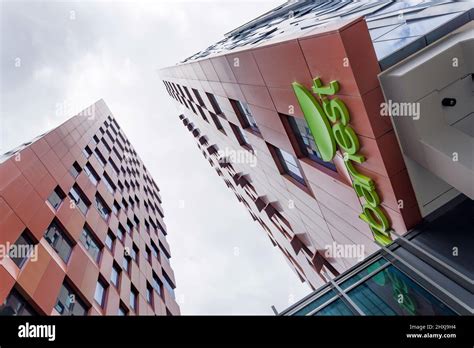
<point>236,99</point>
<point>83,199</point>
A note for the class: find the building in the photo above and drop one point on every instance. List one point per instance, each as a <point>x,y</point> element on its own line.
<point>296,111</point>
<point>82,229</point>
<point>426,272</point>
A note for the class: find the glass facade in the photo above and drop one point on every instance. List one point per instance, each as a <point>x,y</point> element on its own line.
<point>68,303</point>
<point>380,288</point>
<point>392,292</point>
<point>306,141</point>
<point>56,237</point>
<point>246,116</point>
<point>15,304</point>
<point>291,166</point>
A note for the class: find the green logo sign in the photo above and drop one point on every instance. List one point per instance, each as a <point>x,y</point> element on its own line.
<point>328,121</point>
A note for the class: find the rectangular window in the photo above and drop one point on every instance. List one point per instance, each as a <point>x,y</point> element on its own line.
<point>116,208</point>
<point>56,197</point>
<point>148,254</point>
<point>149,294</point>
<point>100,157</point>
<point>87,152</point>
<point>68,303</point>
<point>16,305</point>
<point>245,116</point>
<point>157,284</point>
<point>122,311</point>
<point>129,227</point>
<point>198,97</point>
<point>168,284</point>
<point>91,173</point>
<point>126,264</point>
<point>163,249</point>
<point>75,170</point>
<point>100,292</point>
<point>106,145</point>
<point>109,184</point>
<point>214,103</point>
<point>90,243</point>
<point>103,209</point>
<point>22,249</point>
<point>217,122</point>
<point>58,240</point>
<point>133,298</point>
<point>79,198</point>
<point>115,275</point>
<point>109,240</point>
<point>290,165</point>
<point>305,140</point>
<point>240,136</point>
<point>120,232</point>
<point>154,250</point>
<point>134,253</point>
<point>114,166</point>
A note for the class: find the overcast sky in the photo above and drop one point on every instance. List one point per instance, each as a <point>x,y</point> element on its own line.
<point>59,57</point>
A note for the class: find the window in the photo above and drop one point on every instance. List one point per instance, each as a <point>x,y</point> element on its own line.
<point>68,303</point>
<point>115,275</point>
<point>79,199</point>
<point>56,237</point>
<point>154,250</point>
<point>129,227</point>
<point>100,157</point>
<point>306,142</point>
<point>149,294</point>
<point>134,253</point>
<point>122,311</point>
<point>148,254</point>
<point>106,145</point>
<point>290,165</point>
<point>157,284</point>
<point>100,292</point>
<point>108,183</point>
<point>214,103</point>
<point>87,152</point>
<point>56,197</point>
<point>187,93</point>
<point>121,232</point>
<point>163,249</point>
<point>22,249</point>
<point>103,209</point>
<point>168,284</point>
<point>243,112</point>
<point>15,304</point>
<point>201,112</point>
<point>75,170</point>
<point>126,263</point>
<point>90,243</point>
<point>375,297</point>
<point>241,137</point>
<point>96,139</point>
<point>91,173</point>
<point>217,122</point>
<point>114,166</point>
<point>116,208</point>
<point>198,97</point>
<point>109,240</point>
<point>133,298</point>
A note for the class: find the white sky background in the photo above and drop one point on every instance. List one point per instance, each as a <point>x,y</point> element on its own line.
<point>223,262</point>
